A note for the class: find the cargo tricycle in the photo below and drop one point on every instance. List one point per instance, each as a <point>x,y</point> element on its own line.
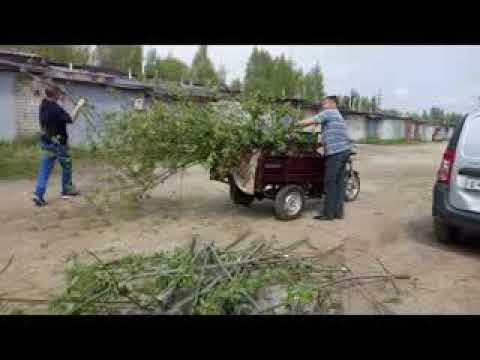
<point>289,180</point>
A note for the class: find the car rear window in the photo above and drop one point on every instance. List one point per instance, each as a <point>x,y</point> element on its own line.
<point>471,144</point>
<point>452,144</point>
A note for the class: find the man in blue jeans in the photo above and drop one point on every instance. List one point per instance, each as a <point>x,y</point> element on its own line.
<point>337,150</point>
<point>54,143</point>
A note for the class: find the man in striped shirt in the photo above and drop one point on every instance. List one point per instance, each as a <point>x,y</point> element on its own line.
<point>337,149</point>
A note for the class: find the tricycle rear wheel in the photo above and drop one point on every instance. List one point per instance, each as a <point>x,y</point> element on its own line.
<point>289,202</point>
<point>238,196</point>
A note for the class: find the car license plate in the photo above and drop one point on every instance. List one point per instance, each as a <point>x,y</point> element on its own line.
<point>472,184</point>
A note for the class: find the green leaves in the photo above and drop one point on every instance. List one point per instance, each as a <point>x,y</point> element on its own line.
<point>77,54</point>
<point>202,70</point>
<point>192,281</point>
<point>180,135</point>
<point>121,57</point>
<point>280,77</point>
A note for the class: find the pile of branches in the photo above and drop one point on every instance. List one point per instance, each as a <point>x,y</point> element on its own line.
<point>141,149</point>
<point>203,279</point>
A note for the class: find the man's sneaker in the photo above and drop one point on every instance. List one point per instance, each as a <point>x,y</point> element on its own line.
<point>38,200</point>
<point>69,194</point>
<point>323,218</point>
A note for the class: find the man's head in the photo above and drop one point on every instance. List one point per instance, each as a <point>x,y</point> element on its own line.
<point>53,91</point>
<point>329,102</point>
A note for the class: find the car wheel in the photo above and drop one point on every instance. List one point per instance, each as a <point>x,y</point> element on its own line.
<point>289,202</point>
<point>443,232</point>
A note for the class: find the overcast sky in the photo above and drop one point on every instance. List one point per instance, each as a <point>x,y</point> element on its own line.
<point>411,78</point>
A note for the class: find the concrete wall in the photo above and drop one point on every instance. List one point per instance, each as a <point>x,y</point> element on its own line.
<point>425,132</point>
<point>372,128</point>
<point>8,127</point>
<point>29,94</point>
<point>440,134</point>
<point>357,127</point>
<point>410,130</point>
<point>389,129</point>
<point>105,100</point>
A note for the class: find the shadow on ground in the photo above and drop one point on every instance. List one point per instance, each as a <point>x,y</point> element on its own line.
<point>421,230</point>
<point>212,207</point>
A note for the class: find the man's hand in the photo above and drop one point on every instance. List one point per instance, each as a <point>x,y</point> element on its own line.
<point>305,123</point>
<point>75,111</point>
<point>80,103</point>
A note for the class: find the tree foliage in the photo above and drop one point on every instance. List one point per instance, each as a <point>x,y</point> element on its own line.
<point>121,57</point>
<point>313,87</point>
<point>279,77</point>
<point>438,116</point>
<point>168,69</point>
<point>236,85</point>
<point>76,54</point>
<point>150,63</point>
<point>286,78</point>
<point>259,73</point>
<point>222,75</point>
<point>184,134</point>
<point>202,69</point>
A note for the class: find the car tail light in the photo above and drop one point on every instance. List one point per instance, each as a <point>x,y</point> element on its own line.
<point>445,171</point>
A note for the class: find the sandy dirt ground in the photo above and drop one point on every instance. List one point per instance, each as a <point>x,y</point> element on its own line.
<point>391,220</point>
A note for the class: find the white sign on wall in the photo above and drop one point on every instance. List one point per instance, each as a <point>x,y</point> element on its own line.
<point>138,105</point>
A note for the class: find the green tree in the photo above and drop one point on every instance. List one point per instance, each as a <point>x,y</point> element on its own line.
<point>168,69</point>
<point>313,84</point>
<point>121,57</point>
<point>77,54</point>
<point>259,73</point>
<point>364,103</point>
<point>354,100</point>
<point>392,112</point>
<point>202,70</point>
<point>222,75</point>
<point>286,78</point>
<point>236,85</point>
<point>424,116</point>
<point>151,63</point>
<point>373,103</point>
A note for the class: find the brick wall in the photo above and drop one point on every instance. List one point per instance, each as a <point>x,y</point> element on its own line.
<point>28,96</point>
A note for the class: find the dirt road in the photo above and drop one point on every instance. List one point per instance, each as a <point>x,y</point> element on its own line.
<point>391,220</point>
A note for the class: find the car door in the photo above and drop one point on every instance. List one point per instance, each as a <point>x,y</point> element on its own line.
<point>465,181</point>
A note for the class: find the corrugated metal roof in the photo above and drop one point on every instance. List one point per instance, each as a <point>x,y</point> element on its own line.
<point>65,73</point>
<point>21,53</point>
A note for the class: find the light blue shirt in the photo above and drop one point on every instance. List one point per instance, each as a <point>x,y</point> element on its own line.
<point>334,131</point>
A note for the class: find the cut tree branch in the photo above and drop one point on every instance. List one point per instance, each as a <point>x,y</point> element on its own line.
<point>7,266</point>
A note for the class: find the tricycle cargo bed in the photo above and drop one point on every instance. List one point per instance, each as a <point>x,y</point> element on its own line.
<point>281,170</point>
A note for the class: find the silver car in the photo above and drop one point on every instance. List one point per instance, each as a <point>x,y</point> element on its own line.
<point>456,195</point>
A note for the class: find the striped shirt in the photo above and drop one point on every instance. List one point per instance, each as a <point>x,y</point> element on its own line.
<point>334,131</point>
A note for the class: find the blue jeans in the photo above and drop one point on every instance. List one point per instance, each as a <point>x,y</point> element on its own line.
<point>52,152</point>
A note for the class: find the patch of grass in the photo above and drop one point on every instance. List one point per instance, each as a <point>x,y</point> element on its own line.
<point>377,141</point>
<point>20,159</point>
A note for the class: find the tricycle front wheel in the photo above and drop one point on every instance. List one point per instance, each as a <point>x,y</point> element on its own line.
<point>352,186</point>
<point>289,202</point>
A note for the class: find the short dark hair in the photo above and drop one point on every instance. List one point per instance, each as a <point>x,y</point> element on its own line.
<point>332,98</point>
<point>52,92</point>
